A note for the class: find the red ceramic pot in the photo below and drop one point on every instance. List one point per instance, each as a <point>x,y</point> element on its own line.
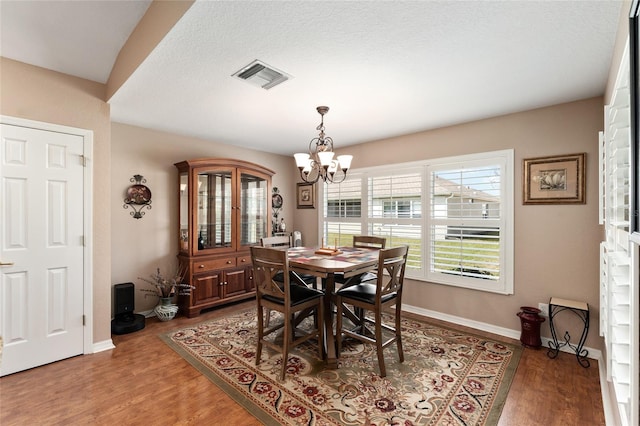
<point>530,321</point>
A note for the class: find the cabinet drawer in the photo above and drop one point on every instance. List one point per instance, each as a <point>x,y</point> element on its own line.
<point>243,260</point>
<point>211,264</point>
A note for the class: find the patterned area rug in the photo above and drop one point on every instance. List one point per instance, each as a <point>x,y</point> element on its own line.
<point>448,377</point>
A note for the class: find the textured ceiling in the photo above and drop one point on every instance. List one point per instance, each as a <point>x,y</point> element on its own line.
<point>384,68</point>
<point>80,38</point>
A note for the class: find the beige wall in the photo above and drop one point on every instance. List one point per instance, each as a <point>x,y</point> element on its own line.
<point>556,246</point>
<point>142,245</point>
<point>37,94</point>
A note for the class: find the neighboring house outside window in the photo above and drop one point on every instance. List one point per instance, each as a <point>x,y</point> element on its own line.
<point>456,215</point>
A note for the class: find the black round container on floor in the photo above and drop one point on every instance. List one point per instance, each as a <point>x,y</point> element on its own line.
<point>127,323</point>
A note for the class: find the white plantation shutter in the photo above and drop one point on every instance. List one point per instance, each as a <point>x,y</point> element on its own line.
<point>465,234</point>
<point>468,237</point>
<point>402,234</point>
<point>396,196</point>
<point>395,211</point>
<point>618,256</point>
<point>455,214</point>
<point>343,211</point>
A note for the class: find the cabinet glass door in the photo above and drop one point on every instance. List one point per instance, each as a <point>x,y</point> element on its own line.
<point>184,211</point>
<point>254,214</point>
<point>214,218</point>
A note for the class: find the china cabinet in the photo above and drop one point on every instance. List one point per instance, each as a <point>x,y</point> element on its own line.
<point>224,210</point>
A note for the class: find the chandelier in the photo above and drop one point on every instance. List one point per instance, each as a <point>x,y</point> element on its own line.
<point>319,162</point>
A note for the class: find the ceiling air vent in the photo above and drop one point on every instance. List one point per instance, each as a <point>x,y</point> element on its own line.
<point>262,75</point>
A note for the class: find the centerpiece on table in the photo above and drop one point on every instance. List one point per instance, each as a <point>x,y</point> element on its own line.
<point>166,288</point>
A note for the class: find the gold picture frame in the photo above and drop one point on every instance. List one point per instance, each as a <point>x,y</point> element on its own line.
<point>306,196</point>
<point>554,180</point>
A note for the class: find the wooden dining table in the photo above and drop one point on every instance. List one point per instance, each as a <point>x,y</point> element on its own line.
<point>349,261</point>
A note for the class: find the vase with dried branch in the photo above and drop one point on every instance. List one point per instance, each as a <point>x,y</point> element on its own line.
<point>166,288</point>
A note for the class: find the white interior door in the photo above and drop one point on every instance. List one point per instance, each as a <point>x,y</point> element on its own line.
<point>41,276</point>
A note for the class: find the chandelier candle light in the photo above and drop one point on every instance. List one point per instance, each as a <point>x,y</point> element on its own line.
<point>319,162</point>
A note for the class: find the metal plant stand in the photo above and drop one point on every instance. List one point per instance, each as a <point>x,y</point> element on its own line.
<point>581,310</point>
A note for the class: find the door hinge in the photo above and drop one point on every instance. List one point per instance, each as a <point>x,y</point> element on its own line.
<point>83,160</point>
<point>84,320</point>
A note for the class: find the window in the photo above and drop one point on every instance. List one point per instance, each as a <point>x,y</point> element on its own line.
<point>402,208</point>
<point>469,243</point>
<point>343,208</point>
<point>455,214</point>
<point>342,211</point>
<point>395,209</point>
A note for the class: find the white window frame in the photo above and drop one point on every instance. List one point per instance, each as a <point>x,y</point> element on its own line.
<point>504,159</point>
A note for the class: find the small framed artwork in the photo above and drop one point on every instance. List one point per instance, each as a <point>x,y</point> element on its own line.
<point>554,180</point>
<point>306,196</point>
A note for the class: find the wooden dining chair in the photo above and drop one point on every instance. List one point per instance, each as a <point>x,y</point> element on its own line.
<point>285,242</point>
<point>287,299</point>
<point>277,241</point>
<point>375,296</point>
<point>369,241</point>
<point>362,241</point>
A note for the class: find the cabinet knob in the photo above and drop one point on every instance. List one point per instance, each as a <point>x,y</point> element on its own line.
<point>201,266</point>
<point>228,262</point>
<point>243,260</point>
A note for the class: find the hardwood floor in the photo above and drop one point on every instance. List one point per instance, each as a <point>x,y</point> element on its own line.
<point>143,381</point>
<point>549,392</point>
